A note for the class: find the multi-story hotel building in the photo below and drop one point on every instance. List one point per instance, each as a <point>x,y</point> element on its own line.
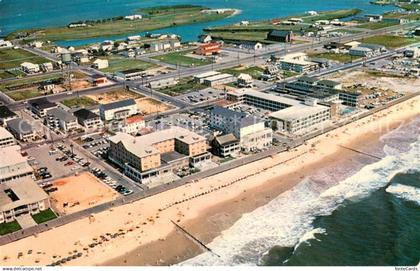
<point>13,165</point>
<point>162,151</point>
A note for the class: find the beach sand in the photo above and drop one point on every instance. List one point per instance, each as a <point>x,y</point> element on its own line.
<point>141,232</point>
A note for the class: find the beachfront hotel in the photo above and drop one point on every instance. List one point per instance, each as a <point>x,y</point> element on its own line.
<point>159,152</point>
<point>13,165</point>
<point>21,197</point>
<point>288,115</point>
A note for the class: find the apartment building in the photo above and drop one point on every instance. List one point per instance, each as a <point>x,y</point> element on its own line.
<point>21,129</point>
<point>156,153</point>
<point>41,106</point>
<point>20,197</point>
<point>58,118</point>
<point>5,115</point>
<point>6,138</point>
<point>88,119</point>
<point>13,165</point>
<point>250,130</point>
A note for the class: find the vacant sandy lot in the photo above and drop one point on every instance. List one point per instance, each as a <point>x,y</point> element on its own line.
<point>151,106</point>
<point>399,84</point>
<point>113,96</point>
<point>80,192</point>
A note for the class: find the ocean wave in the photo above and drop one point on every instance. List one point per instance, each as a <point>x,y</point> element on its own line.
<point>287,219</point>
<point>405,192</point>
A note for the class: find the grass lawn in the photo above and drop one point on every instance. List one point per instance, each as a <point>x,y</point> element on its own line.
<point>255,72</point>
<point>12,58</point>
<point>344,58</point>
<point>377,25</point>
<point>119,63</point>
<point>181,59</point>
<point>28,81</point>
<point>24,94</point>
<point>288,74</point>
<point>330,15</point>
<point>79,102</point>
<point>185,85</point>
<point>154,18</point>
<point>257,36</point>
<point>6,228</point>
<point>390,41</point>
<point>226,159</point>
<point>397,15</point>
<point>44,216</point>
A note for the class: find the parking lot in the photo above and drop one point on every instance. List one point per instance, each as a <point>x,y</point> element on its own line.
<point>207,94</point>
<point>97,144</point>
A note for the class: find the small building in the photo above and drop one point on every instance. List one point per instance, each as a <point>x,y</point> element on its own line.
<point>131,74</point>
<point>245,80</point>
<point>199,78</point>
<point>280,35</point>
<point>130,53</point>
<point>296,20</point>
<point>132,125</point>
<point>374,17</point>
<point>58,118</point>
<point>412,52</point>
<point>29,67</point>
<point>5,44</point>
<point>6,138</point>
<point>6,114</point>
<point>226,145</point>
<point>207,49</point>
<point>312,13</point>
<point>41,106</point>
<point>107,45</point>
<point>244,23</point>
<point>335,45</point>
<point>351,44</point>
<point>19,197</point>
<point>118,110</point>
<point>219,79</point>
<point>361,51</point>
<point>98,79</point>
<point>163,83</point>
<point>204,38</point>
<point>88,119</point>
<point>47,67</point>
<point>133,17</point>
<point>297,62</point>
<point>100,64</point>
<point>36,44</point>
<point>21,129</point>
<point>376,48</point>
<point>13,166</point>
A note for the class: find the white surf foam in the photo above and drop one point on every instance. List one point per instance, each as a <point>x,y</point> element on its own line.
<point>286,220</point>
<point>405,192</point>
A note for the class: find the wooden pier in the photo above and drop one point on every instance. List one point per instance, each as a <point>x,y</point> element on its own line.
<point>361,152</point>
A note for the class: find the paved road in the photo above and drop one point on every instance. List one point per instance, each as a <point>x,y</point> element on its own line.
<point>141,195</point>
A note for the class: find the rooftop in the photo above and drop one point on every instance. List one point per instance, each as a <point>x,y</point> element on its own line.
<point>42,103</point>
<point>226,139</point>
<point>118,104</point>
<point>21,126</point>
<point>134,119</point>
<point>272,97</point>
<point>4,133</point>
<point>61,114</point>
<point>5,112</point>
<point>85,114</point>
<point>24,191</point>
<point>218,77</point>
<point>131,71</point>
<point>168,157</point>
<point>10,156</point>
<point>297,112</point>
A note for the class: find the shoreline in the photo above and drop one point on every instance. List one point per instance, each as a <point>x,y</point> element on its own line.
<point>141,224</point>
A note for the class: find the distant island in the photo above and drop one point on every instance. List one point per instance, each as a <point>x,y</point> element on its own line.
<point>144,19</point>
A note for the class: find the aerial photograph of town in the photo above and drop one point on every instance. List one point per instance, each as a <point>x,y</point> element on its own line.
<point>191,133</point>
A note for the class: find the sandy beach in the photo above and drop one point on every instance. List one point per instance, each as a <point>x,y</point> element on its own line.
<point>141,232</point>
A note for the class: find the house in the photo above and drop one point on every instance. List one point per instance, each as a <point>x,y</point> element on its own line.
<point>41,106</point>
<point>118,110</point>
<point>58,118</point>
<point>132,125</point>
<point>280,35</point>
<point>130,53</point>
<point>88,119</point>
<point>255,46</point>
<point>207,49</point>
<point>163,83</point>
<point>351,44</point>
<point>204,38</point>
<point>131,74</point>
<point>160,152</point>
<point>133,17</point>
<point>250,130</point>
<point>19,197</point>
<point>47,67</point>
<point>5,44</point>
<point>361,51</point>
<point>245,80</point>
<point>270,72</point>
<point>74,25</point>
<point>36,44</point>
<point>21,129</point>
<point>100,64</point>
<point>6,138</point>
<point>244,23</point>
<point>6,114</point>
<point>226,145</point>
<point>98,79</point>
<point>296,20</point>
<point>135,38</point>
<point>334,45</point>
<point>312,13</point>
<point>107,45</point>
<point>29,67</point>
<point>374,17</point>
<point>322,22</point>
<point>297,62</point>
<point>376,48</point>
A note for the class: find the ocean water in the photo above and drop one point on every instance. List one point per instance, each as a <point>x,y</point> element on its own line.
<point>24,14</point>
<point>358,214</point>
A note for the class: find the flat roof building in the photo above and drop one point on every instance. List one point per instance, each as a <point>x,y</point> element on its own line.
<point>58,118</point>
<point>88,119</point>
<point>6,114</point>
<point>21,129</point>
<point>13,165</point>
<point>41,106</point>
<point>6,138</point>
<point>20,197</point>
<point>218,79</point>
<point>118,110</point>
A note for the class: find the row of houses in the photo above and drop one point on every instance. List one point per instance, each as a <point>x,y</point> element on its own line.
<point>29,67</point>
